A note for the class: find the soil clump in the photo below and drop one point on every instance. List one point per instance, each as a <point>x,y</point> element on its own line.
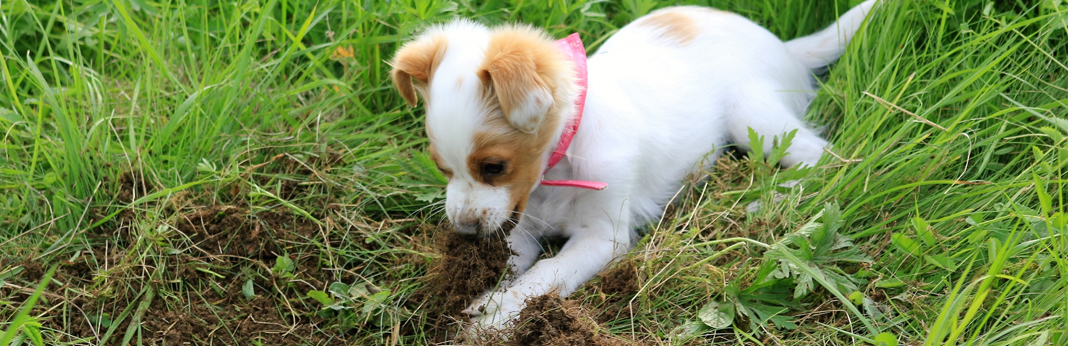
<point>549,320</point>
<point>617,285</point>
<point>466,268</point>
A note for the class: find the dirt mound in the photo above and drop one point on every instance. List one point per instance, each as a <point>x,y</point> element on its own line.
<point>621,280</point>
<point>549,320</point>
<point>230,230</point>
<point>32,271</point>
<point>247,322</point>
<point>131,185</point>
<point>224,230</point>
<point>617,286</point>
<point>466,268</point>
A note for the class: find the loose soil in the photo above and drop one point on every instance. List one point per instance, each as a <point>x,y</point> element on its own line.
<point>200,300</point>
<point>548,320</point>
<point>466,268</point>
<point>469,267</point>
<point>617,285</point>
<point>131,186</point>
<point>230,319</point>
<point>230,230</point>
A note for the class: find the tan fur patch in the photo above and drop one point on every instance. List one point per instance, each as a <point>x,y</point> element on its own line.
<point>521,59</point>
<point>417,59</point>
<point>674,25</point>
<point>522,153</point>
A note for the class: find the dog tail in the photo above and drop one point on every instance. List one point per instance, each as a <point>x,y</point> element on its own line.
<point>824,47</point>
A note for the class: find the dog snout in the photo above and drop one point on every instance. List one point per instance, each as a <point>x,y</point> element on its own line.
<point>467,227</point>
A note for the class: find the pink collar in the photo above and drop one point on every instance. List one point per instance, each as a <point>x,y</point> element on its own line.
<point>572,46</point>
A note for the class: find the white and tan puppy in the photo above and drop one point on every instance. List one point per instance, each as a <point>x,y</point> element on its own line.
<point>663,93</point>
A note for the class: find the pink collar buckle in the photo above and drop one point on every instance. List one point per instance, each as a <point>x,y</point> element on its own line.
<point>572,46</point>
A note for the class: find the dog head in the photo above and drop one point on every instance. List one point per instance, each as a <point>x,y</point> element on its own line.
<point>496,101</point>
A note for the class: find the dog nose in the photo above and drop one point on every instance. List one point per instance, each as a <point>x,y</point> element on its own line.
<point>467,228</point>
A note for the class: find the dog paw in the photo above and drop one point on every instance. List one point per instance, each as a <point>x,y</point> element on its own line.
<point>477,306</point>
<point>493,310</point>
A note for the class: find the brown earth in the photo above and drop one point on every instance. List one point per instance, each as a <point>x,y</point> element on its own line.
<point>231,242</point>
<point>466,268</point>
<point>230,319</point>
<point>617,286</point>
<point>231,230</point>
<point>548,320</point>
<point>131,186</point>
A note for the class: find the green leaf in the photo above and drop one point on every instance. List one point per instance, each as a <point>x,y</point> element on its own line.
<point>431,196</point>
<point>885,339</point>
<point>1057,21</point>
<point>32,330</point>
<point>248,289</point>
<point>856,297</point>
<point>924,231</point>
<point>1059,220</point>
<point>103,319</point>
<point>1043,196</point>
<point>689,330</point>
<point>756,142</point>
<point>889,283</point>
<point>1052,133</point>
<point>716,315</point>
<point>380,297</point>
<point>942,261</point>
<point>906,244</point>
<point>321,296</point>
<point>824,238</point>
<point>765,313</point>
<point>339,290</point>
<point>780,146</point>
<point>283,265</point>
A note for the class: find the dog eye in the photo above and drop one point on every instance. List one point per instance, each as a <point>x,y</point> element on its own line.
<point>490,169</point>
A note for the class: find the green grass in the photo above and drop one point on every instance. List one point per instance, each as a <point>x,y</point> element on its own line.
<point>126,124</point>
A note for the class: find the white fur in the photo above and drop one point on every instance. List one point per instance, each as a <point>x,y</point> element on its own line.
<point>655,108</point>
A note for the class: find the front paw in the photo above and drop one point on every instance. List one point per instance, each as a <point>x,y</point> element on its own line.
<point>494,310</point>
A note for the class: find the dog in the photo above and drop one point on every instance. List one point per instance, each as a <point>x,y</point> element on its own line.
<point>529,133</point>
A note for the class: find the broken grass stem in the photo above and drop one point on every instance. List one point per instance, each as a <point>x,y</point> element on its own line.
<point>730,240</point>
<point>887,104</point>
<point>714,256</point>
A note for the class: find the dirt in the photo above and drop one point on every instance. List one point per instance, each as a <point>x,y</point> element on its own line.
<point>32,271</point>
<point>302,175</point>
<point>231,230</point>
<point>549,320</point>
<point>220,246</point>
<point>209,307</point>
<point>228,319</point>
<point>131,186</point>
<point>467,268</point>
<point>128,187</point>
<point>617,286</point>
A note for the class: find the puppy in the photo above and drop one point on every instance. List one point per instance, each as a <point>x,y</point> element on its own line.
<point>529,133</point>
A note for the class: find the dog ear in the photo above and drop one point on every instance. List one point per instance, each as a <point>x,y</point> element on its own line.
<point>516,67</point>
<point>417,59</point>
